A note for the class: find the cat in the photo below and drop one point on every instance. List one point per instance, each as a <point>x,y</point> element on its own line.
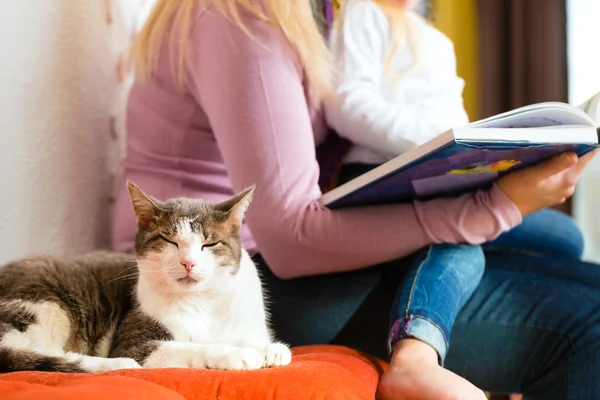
<point>189,297</point>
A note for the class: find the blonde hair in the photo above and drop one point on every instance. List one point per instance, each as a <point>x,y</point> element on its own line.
<point>403,28</point>
<point>293,17</point>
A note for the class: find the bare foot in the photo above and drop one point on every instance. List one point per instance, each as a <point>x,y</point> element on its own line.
<point>414,374</point>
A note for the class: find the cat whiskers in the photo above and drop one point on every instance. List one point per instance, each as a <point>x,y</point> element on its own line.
<point>124,277</point>
<point>126,270</point>
<point>134,275</point>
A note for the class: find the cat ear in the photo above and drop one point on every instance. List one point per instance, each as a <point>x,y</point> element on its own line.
<point>144,206</point>
<point>237,206</point>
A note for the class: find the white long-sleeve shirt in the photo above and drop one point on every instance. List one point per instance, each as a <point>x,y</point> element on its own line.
<point>381,116</point>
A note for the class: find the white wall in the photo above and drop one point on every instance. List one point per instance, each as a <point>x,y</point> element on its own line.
<point>584,81</point>
<point>56,78</point>
<point>583,17</point>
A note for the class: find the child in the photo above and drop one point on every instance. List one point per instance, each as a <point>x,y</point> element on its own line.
<point>397,85</point>
<point>396,89</point>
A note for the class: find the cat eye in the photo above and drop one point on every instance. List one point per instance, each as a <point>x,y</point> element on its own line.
<point>209,245</point>
<point>168,241</point>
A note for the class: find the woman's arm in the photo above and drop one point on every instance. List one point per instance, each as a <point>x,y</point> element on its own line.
<point>253,95</point>
<point>358,111</point>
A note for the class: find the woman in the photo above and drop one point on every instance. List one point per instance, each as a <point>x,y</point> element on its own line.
<point>231,98</point>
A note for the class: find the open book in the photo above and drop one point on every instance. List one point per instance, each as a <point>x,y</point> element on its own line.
<point>473,156</point>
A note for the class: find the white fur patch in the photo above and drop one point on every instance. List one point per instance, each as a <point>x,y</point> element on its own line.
<point>100,364</point>
<point>49,335</point>
<point>185,232</point>
<point>103,346</point>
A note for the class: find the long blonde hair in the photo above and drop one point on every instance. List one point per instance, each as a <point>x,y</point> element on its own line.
<point>293,17</point>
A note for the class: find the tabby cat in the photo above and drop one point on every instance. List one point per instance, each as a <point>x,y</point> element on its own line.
<point>190,297</point>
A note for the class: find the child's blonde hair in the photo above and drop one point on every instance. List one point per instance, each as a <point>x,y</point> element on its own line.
<point>293,17</point>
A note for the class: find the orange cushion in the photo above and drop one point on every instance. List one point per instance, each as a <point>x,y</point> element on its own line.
<point>316,372</point>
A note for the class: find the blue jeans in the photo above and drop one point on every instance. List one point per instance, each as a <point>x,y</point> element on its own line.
<point>532,326</point>
<point>547,232</point>
<point>442,278</point>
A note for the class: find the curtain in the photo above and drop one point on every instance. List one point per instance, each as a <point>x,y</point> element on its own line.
<point>123,18</point>
<point>522,55</point>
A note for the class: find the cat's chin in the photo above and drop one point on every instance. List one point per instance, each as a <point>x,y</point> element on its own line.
<point>186,281</point>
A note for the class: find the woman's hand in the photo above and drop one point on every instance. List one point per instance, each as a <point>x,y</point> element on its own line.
<point>546,184</point>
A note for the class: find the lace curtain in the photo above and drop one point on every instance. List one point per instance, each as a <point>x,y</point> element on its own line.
<point>124,18</point>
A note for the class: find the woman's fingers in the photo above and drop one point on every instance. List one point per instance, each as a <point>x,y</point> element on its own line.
<point>552,166</point>
<point>585,160</point>
<point>545,184</point>
<point>571,176</point>
<point>566,168</point>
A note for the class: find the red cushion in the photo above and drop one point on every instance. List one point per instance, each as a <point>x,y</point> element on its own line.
<point>316,372</point>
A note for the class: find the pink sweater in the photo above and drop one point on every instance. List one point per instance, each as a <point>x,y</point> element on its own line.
<point>244,119</point>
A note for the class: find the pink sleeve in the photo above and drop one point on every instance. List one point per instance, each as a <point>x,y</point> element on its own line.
<point>252,93</point>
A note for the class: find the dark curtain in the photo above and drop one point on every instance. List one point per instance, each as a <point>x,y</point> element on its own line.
<point>522,55</point>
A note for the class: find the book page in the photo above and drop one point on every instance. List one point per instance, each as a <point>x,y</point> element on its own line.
<point>592,108</point>
<point>546,134</point>
<point>537,115</point>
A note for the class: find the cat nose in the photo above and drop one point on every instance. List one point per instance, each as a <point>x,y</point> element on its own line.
<point>187,264</point>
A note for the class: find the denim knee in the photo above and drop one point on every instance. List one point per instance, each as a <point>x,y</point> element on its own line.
<point>467,263</point>
<point>561,232</point>
<point>548,232</point>
<point>571,239</point>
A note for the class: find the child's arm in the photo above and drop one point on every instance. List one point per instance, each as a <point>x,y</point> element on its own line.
<point>358,110</point>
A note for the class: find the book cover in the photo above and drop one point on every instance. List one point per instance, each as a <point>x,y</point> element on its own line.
<point>456,168</point>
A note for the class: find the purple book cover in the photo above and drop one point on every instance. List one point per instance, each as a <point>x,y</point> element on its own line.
<point>452,170</point>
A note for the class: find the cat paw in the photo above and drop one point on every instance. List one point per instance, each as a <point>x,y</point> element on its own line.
<point>98,364</point>
<point>241,359</point>
<point>276,355</point>
<point>124,363</point>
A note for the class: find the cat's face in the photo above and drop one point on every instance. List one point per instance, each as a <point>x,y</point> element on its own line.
<point>186,245</point>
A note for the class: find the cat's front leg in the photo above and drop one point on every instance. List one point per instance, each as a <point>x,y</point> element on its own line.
<point>170,354</point>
